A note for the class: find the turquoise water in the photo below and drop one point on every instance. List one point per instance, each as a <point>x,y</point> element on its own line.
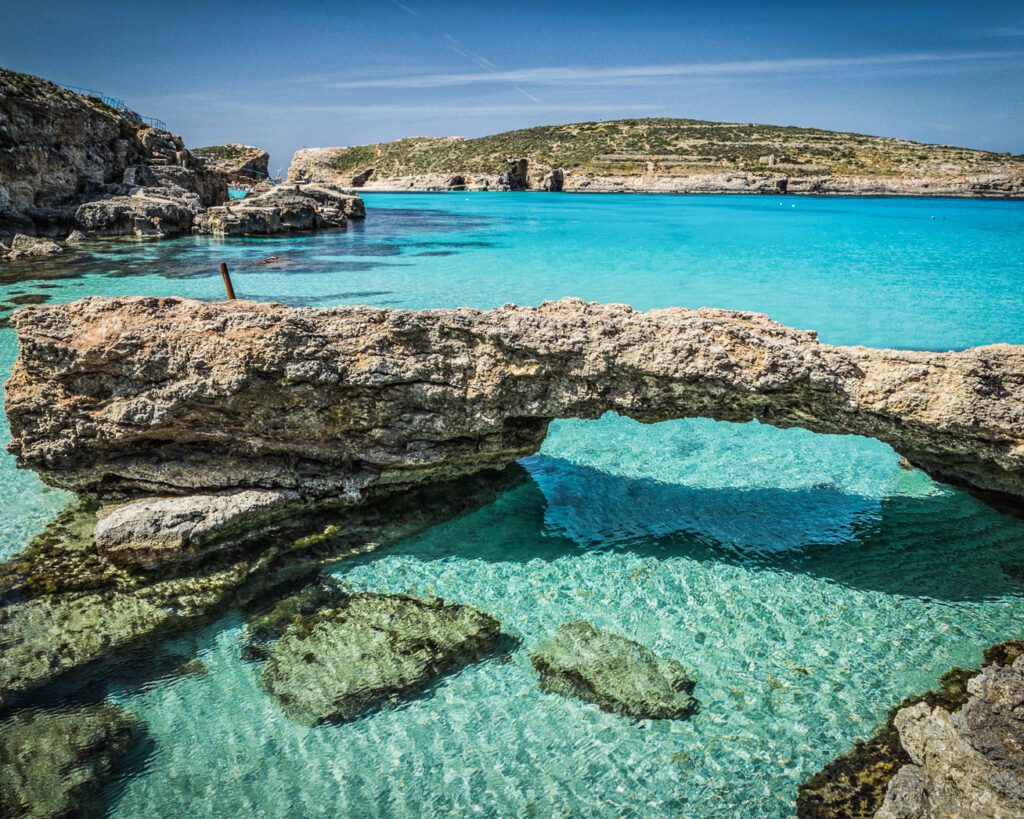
<point>807,580</point>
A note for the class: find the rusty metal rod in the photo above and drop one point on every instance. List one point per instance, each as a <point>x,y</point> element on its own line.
<point>227,281</point>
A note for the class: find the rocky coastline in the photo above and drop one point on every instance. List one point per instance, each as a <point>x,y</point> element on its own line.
<point>668,156</point>
<point>245,165</point>
<point>306,167</point>
<point>74,168</point>
<point>225,452</point>
<point>957,750</point>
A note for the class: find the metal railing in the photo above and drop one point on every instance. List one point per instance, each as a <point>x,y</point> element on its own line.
<point>118,104</point>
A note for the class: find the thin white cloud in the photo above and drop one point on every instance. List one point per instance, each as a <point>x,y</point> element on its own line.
<point>374,111</point>
<point>405,8</point>
<point>636,74</point>
<point>1000,31</point>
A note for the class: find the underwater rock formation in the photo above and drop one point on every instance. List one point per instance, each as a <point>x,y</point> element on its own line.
<point>268,626</point>
<point>369,649</point>
<point>955,751</point>
<point>66,606</point>
<point>613,672</point>
<point>55,764</point>
<point>163,396</point>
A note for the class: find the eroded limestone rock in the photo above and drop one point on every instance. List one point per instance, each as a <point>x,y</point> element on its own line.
<point>171,396</point>
<point>147,212</point>
<point>613,672</point>
<point>370,649</point>
<point>66,605</point>
<point>282,208</point>
<point>59,150</point>
<point>150,531</point>
<point>969,763</point>
<point>952,751</point>
<point>29,247</point>
<point>54,764</point>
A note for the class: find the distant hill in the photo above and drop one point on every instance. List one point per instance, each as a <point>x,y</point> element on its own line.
<point>244,164</point>
<point>680,155</point>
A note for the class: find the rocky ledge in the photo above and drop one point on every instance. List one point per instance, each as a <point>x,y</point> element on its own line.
<point>955,751</point>
<point>124,397</point>
<point>71,161</point>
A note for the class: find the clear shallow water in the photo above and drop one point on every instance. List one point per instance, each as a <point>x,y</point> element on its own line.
<point>808,581</point>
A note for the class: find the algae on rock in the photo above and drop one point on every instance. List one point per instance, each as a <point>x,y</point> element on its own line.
<point>370,649</point>
<point>55,764</point>
<point>65,604</point>
<point>613,672</point>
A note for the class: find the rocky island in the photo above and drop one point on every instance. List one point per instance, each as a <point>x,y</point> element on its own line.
<point>668,156</point>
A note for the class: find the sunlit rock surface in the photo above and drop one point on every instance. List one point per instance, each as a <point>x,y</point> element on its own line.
<point>168,396</point>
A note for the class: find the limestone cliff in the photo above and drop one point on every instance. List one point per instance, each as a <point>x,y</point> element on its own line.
<point>60,150</point>
<point>668,156</point>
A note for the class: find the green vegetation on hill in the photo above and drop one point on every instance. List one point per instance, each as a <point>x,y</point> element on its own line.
<point>669,146</point>
<point>226,153</point>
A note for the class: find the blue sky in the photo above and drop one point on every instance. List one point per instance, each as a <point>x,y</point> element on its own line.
<point>285,75</point>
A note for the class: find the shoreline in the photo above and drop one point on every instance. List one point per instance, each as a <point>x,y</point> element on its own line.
<point>1011,197</point>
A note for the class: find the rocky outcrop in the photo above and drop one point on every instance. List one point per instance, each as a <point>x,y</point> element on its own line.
<point>316,165</point>
<point>150,531</point>
<point>969,763</point>
<point>28,247</point>
<point>60,150</point>
<point>55,764</point>
<point>243,164</point>
<point>613,672</point>
<point>957,750</point>
<point>370,649</point>
<point>284,208</point>
<point>146,212</point>
<point>114,397</point>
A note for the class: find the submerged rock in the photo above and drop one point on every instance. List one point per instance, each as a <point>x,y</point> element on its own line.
<point>370,649</point>
<point>265,628</point>
<point>55,764</point>
<point>66,605</point>
<point>613,672</point>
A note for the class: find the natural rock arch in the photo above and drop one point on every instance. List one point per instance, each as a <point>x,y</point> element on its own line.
<point>170,396</point>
